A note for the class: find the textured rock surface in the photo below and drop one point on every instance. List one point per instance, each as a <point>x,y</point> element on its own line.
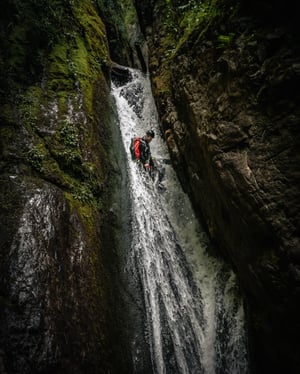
<point>228,99</point>
<point>57,166</point>
<point>50,292</point>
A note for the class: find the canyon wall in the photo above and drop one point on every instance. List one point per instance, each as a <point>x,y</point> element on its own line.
<point>59,168</point>
<point>225,77</point>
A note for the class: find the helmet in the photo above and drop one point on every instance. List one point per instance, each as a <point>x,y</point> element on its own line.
<point>150,133</point>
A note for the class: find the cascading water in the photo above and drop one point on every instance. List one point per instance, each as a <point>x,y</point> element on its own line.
<point>194,316</point>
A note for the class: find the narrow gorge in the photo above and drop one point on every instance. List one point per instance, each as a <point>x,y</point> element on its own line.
<point>99,271</point>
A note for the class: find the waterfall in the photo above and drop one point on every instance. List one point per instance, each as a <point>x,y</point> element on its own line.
<point>193,312</point>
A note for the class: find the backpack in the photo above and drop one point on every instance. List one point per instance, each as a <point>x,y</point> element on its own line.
<point>135,148</point>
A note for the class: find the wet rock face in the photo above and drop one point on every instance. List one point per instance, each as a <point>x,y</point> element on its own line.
<point>51,300</point>
<point>240,151</point>
<point>232,124</point>
<point>57,166</point>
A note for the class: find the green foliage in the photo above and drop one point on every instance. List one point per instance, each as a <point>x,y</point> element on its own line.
<point>70,158</point>
<point>67,150</point>
<point>36,156</point>
<point>188,20</point>
<point>68,134</point>
<point>225,40</point>
<point>183,23</point>
<point>180,21</point>
<point>83,194</point>
<point>28,104</point>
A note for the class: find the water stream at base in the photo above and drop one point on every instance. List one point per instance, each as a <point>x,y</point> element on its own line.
<point>194,315</point>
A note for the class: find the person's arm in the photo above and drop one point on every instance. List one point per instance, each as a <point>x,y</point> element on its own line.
<point>148,162</point>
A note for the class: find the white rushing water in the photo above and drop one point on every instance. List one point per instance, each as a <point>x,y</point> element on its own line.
<point>195,318</point>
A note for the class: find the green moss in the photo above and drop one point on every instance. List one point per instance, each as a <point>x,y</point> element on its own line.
<point>83,194</point>
<point>29,106</point>
<point>86,211</point>
<point>59,77</point>
<point>198,16</point>
<point>225,40</point>
<point>36,155</point>
<point>53,173</point>
<point>94,36</point>
<point>79,60</point>
<point>129,13</point>
<point>58,109</point>
<point>183,26</point>
<point>68,134</point>
<point>189,22</point>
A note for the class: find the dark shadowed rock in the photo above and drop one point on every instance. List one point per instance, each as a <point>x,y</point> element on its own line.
<point>231,116</point>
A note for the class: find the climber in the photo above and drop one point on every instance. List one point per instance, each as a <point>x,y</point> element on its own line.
<point>140,149</point>
<point>140,152</point>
